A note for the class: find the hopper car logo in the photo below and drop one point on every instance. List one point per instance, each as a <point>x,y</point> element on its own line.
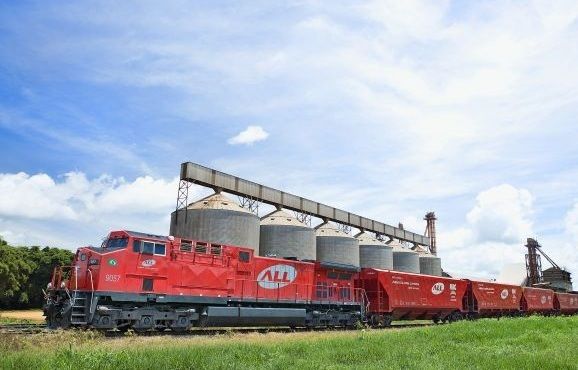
<point>277,276</point>
<point>504,294</point>
<point>543,299</point>
<point>148,263</point>
<point>438,288</point>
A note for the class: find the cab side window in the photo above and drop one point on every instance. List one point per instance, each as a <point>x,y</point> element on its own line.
<point>148,247</point>
<point>144,247</point>
<point>136,245</point>
<point>160,249</point>
<point>244,256</point>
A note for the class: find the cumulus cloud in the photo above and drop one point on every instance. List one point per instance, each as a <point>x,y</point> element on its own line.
<point>493,235</point>
<point>72,208</point>
<point>501,214</point>
<point>249,136</point>
<point>75,197</point>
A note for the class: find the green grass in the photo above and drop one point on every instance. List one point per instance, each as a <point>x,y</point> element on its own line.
<point>530,343</point>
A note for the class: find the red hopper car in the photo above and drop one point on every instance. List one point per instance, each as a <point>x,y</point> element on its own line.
<point>398,295</point>
<point>537,300</point>
<point>488,299</point>
<point>566,303</point>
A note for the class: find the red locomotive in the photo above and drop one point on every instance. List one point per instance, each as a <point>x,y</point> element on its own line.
<point>144,282</point>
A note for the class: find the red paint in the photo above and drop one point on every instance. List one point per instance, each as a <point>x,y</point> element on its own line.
<point>537,300</point>
<point>491,298</point>
<point>411,296</point>
<point>208,274</point>
<point>566,303</point>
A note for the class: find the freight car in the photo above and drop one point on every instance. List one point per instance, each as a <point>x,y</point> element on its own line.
<point>143,281</point>
<point>537,301</point>
<point>566,303</point>
<point>491,299</point>
<point>396,295</point>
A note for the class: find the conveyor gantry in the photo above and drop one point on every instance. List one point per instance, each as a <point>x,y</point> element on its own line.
<point>192,173</point>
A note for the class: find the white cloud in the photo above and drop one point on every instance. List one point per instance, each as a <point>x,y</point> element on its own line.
<point>494,234</point>
<point>77,198</point>
<point>249,136</point>
<point>501,214</point>
<point>70,209</point>
<point>571,222</point>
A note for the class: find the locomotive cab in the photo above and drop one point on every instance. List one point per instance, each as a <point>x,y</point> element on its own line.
<point>125,261</point>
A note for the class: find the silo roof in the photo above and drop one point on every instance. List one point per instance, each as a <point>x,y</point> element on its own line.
<point>218,201</point>
<point>280,217</point>
<point>367,239</point>
<point>397,247</point>
<point>326,229</point>
<point>423,253</point>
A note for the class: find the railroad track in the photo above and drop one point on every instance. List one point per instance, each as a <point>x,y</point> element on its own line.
<point>24,328</point>
<point>41,328</point>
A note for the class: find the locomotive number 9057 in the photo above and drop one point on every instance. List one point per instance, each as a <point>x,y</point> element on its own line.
<point>112,278</point>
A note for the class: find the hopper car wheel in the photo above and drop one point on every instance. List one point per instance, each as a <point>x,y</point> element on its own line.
<point>436,320</point>
<point>456,316</point>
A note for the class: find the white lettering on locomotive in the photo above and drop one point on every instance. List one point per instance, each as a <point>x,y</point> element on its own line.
<point>112,278</point>
<point>277,276</point>
<point>438,288</point>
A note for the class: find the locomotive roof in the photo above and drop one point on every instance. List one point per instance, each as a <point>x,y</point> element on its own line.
<point>137,234</point>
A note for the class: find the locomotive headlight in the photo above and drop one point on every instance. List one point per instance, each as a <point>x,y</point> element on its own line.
<point>62,285</point>
<point>49,286</point>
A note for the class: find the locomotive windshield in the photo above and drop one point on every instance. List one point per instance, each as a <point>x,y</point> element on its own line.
<point>115,243</point>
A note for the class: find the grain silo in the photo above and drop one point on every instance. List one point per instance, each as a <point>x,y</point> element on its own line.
<point>282,235</point>
<point>374,253</point>
<point>336,246</point>
<point>404,259</point>
<point>217,219</point>
<point>428,263</point>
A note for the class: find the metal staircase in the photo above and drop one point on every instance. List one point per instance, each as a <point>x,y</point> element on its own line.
<point>79,308</point>
<point>81,302</point>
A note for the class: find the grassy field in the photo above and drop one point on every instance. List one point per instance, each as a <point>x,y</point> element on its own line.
<point>530,343</point>
<point>21,316</point>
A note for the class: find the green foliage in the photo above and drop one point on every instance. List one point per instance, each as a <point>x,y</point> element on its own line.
<point>25,271</point>
<point>523,343</point>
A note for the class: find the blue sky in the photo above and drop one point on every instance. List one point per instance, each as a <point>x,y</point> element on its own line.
<point>388,109</point>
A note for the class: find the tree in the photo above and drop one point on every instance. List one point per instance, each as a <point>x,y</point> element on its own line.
<point>24,272</point>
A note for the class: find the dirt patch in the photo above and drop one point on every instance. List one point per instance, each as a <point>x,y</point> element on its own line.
<point>30,315</point>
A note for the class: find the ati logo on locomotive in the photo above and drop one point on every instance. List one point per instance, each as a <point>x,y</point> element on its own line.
<point>277,276</point>
<point>148,263</point>
<point>438,288</point>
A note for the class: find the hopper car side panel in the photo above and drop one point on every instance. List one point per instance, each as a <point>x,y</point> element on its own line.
<point>537,300</point>
<point>412,296</point>
<point>486,299</point>
<point>566,303</point>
